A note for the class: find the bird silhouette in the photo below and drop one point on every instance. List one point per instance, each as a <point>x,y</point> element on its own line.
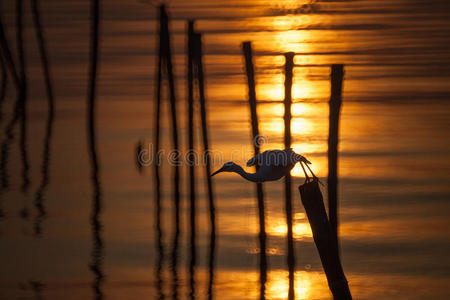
<point>273,164</point>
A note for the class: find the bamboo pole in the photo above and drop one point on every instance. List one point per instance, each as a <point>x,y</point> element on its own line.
<point>167,62</point>
<point>324,239</point>
<point>198,55</point>
<point>97,251</point>
<point>247,49</point>
<point>337,73</point>
<point>193,249</point>
<point>157,183</point>
<point>288,67</point>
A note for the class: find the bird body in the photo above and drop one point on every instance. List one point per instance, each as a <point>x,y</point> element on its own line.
<point>270,165</point>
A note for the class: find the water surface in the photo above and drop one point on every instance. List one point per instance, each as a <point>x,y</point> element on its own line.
<point>394,161</point>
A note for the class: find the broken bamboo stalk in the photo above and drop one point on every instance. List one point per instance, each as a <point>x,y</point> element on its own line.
<point>324,239</point>
<point>337,73</point>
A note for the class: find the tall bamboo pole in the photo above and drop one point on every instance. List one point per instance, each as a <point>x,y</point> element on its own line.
<point>288,67</point>
<point>97,251</point>
<point>198,55</point>
<point>247,49</point>
<point>192,199</point>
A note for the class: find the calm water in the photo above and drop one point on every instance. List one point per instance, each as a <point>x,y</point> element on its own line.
<point>394,158</point>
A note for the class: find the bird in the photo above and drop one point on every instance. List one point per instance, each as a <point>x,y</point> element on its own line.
<point>273,165</point>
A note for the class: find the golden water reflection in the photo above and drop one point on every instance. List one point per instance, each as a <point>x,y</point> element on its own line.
<point>301,228</point>
<point>241,284</point>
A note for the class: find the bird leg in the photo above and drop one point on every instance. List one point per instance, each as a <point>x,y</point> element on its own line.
<point>304,171</point>
<point>314,176</point>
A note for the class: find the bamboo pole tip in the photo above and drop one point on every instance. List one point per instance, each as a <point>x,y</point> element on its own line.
<point>289,54</point>
<point>191,23</point>
<point>337,70</point>
<point>162,10</point>
<point>247,45</point>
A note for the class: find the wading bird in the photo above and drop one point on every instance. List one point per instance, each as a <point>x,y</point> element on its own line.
<point>273,164</point>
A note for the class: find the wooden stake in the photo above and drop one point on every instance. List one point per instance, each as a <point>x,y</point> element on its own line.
<point>97,250</point>
<point>324,239</point>
<point>289,65</point>
<point>247,49</point>
<point>191,65</point>
<point>198,55</point>
<point>337,73</point>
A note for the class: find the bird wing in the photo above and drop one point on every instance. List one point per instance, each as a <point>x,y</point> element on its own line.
<point>255,160</point>
<point>268,158</point>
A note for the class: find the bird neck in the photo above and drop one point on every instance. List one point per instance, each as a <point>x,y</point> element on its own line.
<point>249,176</point>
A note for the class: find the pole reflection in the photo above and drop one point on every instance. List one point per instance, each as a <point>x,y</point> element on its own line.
<point>39,196</point>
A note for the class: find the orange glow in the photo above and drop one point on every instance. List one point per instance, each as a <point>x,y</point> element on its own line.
<point>300,230</point>
<point>278,285</point>
<point>288,39</point>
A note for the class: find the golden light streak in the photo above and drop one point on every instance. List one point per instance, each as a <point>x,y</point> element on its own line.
<point>278,285</point>
<point>300,230</point>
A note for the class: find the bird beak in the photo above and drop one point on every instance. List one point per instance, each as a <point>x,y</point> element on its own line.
<point>216,172</point>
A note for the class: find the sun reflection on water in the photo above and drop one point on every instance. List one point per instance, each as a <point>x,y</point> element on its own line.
<point>301,228</point>
<point>278,285</point>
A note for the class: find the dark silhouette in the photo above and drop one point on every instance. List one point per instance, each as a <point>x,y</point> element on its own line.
<point>39,196</point>
<point>18,107</point>
<point>165,68</point>
<point>192,196</point>
<point>289,65</point>
<point>324,239</point>
<point>247,49</point>
<point>139,147</point>
<point>157,184</point>
<point>23,95</point>
<point>97,250</point>
<point>9,64</point>
<point>3,86</point>
<point>198,54</point>
<point>337,74</point>
<point>195,75</point>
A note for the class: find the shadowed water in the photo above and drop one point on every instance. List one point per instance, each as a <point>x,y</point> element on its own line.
<point>394,160</point>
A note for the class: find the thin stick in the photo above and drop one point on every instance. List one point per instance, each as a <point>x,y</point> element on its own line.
<point>159,242</point>
<point>288,67</point>
<point>247,49</point>
<point>97,250</point>
<point>167,55</point>
<point>337,73</point>
<point>212,214</point>
<point>192,201</point>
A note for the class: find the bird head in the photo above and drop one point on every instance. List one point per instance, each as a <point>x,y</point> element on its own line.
<point>227,167</point>
<point>300,158</point>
